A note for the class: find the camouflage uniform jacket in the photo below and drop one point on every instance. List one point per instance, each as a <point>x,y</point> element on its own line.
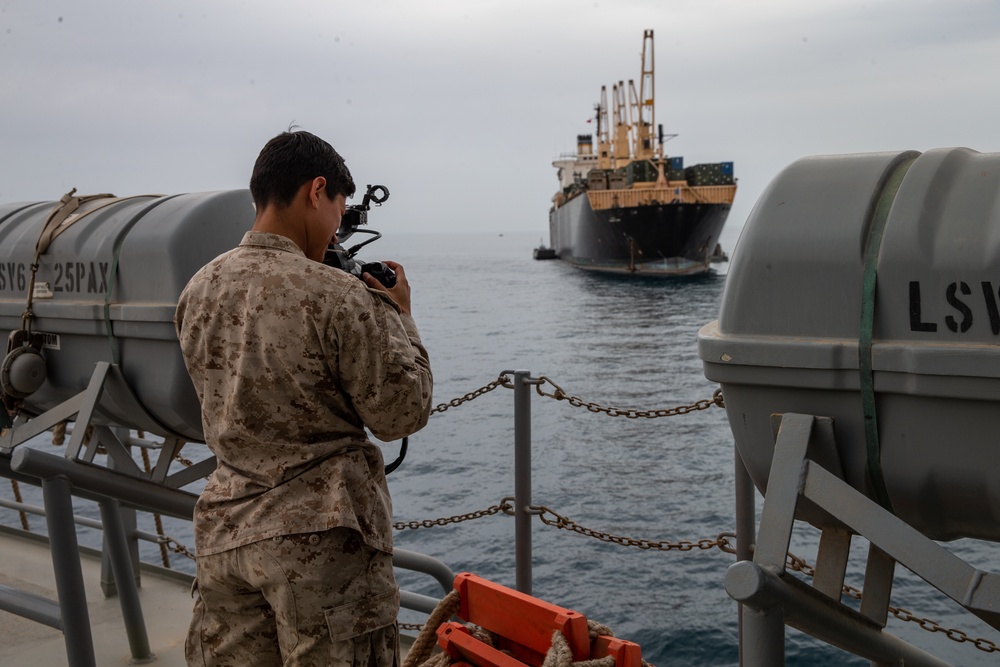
<point>291,360</point>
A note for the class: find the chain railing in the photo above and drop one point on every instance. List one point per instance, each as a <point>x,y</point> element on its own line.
<point>505,506</point>
<point>559,394</point>
<point>551,518</point>
<point>723,541</point>
<point>631,413</point>
<point>556,520</point>
<point>502,381</point>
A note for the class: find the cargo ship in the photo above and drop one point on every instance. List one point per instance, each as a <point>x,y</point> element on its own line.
<point>624,205</point>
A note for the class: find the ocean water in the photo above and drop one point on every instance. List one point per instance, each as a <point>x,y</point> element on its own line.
<point>484,306</point>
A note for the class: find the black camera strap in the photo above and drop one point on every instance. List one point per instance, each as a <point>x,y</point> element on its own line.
<point>399,459</point>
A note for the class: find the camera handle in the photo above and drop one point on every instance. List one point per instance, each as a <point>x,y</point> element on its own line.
<point>377,194</point>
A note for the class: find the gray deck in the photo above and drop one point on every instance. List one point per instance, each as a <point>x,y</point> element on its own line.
<point>166,606</point>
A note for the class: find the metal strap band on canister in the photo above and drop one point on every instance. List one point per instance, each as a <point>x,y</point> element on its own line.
<point>58,221</point>
<point>65,214</point>
<point>879,215</point>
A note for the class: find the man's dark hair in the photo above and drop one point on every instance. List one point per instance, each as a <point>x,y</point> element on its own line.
<point>291,159</point>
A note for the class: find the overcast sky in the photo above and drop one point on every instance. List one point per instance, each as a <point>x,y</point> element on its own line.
<point>460,106</point>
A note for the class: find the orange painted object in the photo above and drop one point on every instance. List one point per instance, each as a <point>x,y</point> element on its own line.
<point>458,642</point>
<point>626,653</point>
<point>520,618</point>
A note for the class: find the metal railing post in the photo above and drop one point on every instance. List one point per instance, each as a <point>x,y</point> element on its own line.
<point>118,553</point>
<point>130,524</point>
<point>68,572</point>
<point>522,480</point>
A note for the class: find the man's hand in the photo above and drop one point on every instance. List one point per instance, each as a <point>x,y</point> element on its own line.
<point>400,292</point>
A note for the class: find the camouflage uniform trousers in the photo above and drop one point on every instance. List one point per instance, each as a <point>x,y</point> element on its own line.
<point>298,601</point>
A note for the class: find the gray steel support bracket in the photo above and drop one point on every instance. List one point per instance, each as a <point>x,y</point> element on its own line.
<point>108,395</point>
<point>25,429</point>
<point>799,487</point>
<point>787,600</point>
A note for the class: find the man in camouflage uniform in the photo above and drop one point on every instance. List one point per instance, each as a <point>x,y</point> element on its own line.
<point>291,360</point>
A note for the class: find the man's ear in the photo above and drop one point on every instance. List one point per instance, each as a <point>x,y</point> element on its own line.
<point>316,187</point>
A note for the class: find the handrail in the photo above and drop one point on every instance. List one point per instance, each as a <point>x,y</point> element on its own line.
<point>77,519</point>
<point>131,491</point>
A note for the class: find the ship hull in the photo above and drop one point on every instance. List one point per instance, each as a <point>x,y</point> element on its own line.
<point>658,239</point>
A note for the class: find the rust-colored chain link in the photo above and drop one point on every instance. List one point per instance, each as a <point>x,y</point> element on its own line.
<point>502,381</point>
<point>187,463</point>
<point>505,506</point>
<point>631,413</point>
<point>800,565</point>
<point>552,518</point>
<point>176,546</point>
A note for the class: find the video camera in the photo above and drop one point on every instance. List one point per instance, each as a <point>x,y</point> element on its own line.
<point>355,216</point>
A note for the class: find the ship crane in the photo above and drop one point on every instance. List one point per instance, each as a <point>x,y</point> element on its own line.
<point>635,120</point>
<point>645,144</point>
<point>603,142</point>
<point>620,149</point>
<point>633,137</point>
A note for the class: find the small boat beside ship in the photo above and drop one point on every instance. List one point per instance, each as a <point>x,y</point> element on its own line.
<point>542,252</point>
<point>624,205</point>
